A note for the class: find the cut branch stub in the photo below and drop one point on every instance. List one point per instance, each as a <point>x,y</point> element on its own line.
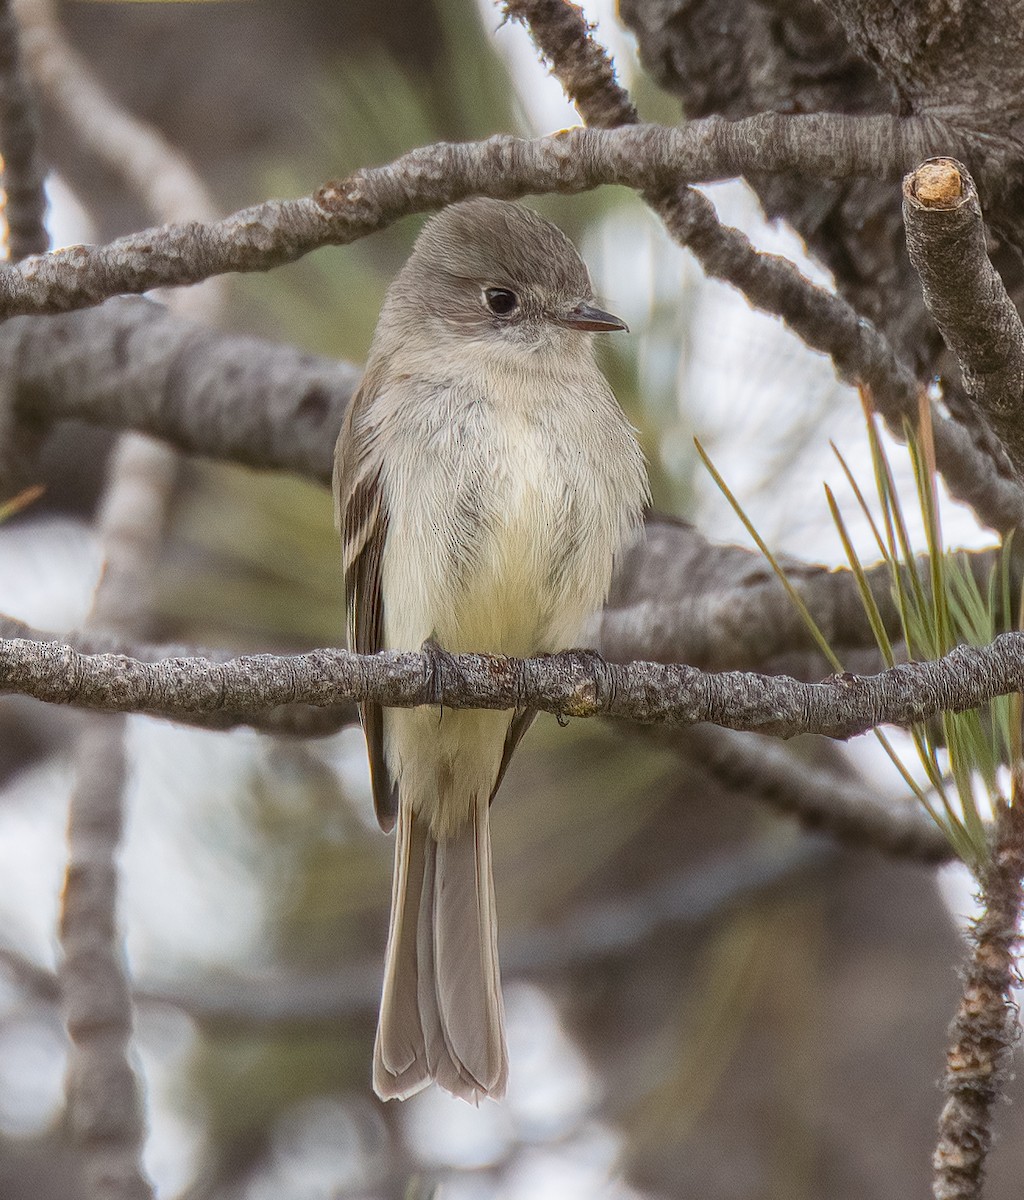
<point>966,297</point>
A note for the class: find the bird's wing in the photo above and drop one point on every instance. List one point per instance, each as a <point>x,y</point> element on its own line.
<point>362,517</point>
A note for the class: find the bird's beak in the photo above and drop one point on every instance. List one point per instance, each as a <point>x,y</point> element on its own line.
<point>590,319</point>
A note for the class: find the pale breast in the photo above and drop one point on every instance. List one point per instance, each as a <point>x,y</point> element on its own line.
<point>505,520</point>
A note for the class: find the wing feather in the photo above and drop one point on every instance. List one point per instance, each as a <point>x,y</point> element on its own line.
<point>363,521</point>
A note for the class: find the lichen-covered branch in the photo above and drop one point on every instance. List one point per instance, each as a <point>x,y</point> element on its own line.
<point>986,1024</point>
<point>572,683</point>
<point>574,160</point>
<point>963,291</point>
<point>290,720</point>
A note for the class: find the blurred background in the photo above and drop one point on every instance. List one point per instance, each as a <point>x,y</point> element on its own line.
<point>703,999</point>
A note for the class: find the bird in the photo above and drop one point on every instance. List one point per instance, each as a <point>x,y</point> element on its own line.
<point>486,481</point>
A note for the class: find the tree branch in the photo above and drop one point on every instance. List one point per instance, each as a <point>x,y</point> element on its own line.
<point>581,65</point>
<point>842,806</point>
<point>572,683</point>
<point>963,291</point>
<point>290,720</point>
<point>23,167</point>
<point>986,1024</point>
<point>132,365</point>
<point>103,1095</point>
<point>575,160</point>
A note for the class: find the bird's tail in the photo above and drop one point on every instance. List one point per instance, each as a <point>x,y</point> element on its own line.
<point>441,1012</point>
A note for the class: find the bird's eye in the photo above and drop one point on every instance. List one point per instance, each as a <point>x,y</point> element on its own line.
<point>501,301</point>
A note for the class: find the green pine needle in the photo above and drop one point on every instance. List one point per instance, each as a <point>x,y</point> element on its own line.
<point>940,604</point>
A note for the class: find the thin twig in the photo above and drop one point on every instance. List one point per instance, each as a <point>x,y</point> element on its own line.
<point>572,683</point>
<point>23,167</point>
<point>986,1025</point>
<point>963,291</point>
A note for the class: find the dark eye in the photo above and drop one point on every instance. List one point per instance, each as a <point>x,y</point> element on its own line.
<point>501,301</point>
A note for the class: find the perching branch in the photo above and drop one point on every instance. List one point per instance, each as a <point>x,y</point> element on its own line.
<point>575,160</point>
<point>677,597</point>
<point>23,168</point>
<point>965,295</point>
<point>572,683</point>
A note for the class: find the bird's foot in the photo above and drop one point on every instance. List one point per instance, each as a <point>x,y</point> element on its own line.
<point>441,668</point>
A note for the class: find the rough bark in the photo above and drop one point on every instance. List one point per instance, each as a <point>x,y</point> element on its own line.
<point>966,297</point>
<point>572,683</point>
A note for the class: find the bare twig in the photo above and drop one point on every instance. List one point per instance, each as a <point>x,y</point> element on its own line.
<point>24,171</point>
<point>963,291</point>
<point>574,160</point>
<point>986,1024</point>
<point>573,683</point>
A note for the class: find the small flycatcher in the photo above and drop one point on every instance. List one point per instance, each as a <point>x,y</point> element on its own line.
<point>485,480</point>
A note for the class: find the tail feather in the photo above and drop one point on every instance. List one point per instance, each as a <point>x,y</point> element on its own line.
<point>466,956</point>
<point>442,1016</point>
<point>397,1051</point>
